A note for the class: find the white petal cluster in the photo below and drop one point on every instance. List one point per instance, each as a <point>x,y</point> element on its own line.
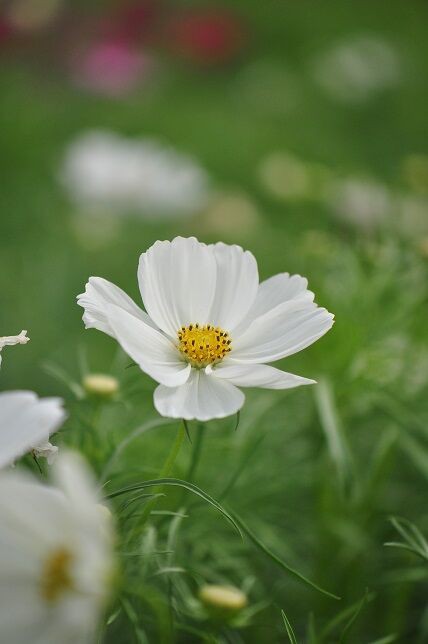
<point>26,423</point>
<point>185,283</point>
<point>56,559</point>
<point>104,171</point>
<point>10,340</point>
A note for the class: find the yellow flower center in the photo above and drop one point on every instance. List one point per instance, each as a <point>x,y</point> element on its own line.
<point>203,345</point>
<point>56,577</point>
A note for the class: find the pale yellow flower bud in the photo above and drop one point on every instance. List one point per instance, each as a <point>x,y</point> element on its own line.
<point>226,599</point>
<point>99,384</point>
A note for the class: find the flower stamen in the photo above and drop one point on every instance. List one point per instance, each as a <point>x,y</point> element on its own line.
<point>203,345</point>
<point>56,576</point>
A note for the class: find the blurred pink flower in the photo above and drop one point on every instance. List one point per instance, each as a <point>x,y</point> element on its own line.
<point>207,37</point>
<point>5,31</point>
<point>111,68</point>
<point>130,21</point>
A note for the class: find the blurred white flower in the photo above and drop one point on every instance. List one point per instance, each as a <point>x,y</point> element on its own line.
<point>284,176</point>
<point>230,214</point>
<point>365,203</point>
<point>104,171</point>
<point>288,178</point>
<point>358,68</point>
<point>26,422</point>
<point>209,325</point>
<point>56,559</point>
<point>10,340</point>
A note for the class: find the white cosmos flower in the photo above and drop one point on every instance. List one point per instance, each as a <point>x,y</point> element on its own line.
<point>26,422</point>
<point>10,340</point>
<point>56,558</point>
<point>107,172</point>
<point>210,327</point>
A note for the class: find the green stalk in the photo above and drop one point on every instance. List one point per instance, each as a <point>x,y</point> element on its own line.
<point>196,453</point>
<point>164,473</point>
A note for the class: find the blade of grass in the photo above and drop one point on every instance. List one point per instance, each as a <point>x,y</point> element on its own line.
<point>386,640</point>
<point>333,431</point>
<point>261,546</point>
<point>288,628</point>
<point>354,617</point>
<point>139,431</point>
<point>343,615</point>
<point>183,484</point>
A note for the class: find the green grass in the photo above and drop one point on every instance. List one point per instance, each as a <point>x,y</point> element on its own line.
<point>315,474</point>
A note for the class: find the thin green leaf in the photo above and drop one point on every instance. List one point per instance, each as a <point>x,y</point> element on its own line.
<point>139,497</point>
<point>333,431</point>
<point>132,616</point>
<point>238,418</point>
<point>279,561</point>
<point>183,484</point>
<point>404,532</point>
<point>385,640</point>
<point>241,466</point>
<point>62,376</point>
<point>411,527</point>
<point>404,546</point>
<point>311,630</point>
<point>416,451</point>
<point>186,427</point>
<point>170,569</point>
<point>139,431</point>
<point>354,617</point>
<point>288,628</point>
<point>342,616</point>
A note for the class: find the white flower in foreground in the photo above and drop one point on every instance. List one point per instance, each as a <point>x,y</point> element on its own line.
<point>209,327</point>
<point>104,171</point>
<point>10,340</point>
<point>26,422</point>
<point>56,560</point>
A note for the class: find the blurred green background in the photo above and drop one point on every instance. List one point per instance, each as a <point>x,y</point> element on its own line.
<point>309,121</point>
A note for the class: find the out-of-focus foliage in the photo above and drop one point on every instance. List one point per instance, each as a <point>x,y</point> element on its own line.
<point>310,121</point>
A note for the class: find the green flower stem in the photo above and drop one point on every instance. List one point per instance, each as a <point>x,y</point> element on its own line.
<point>164,472</point>
<point>196,453</point>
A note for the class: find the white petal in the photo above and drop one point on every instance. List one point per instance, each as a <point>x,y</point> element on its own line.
<point>177,282</point>
<point>32,516</point>
<point>275,291</point>
<point>152,351</point>
<point>19,625</point>
<point>203,397</point>
<point>72,476</point>
<point>99,293</point>
<point>47,451</point>
<point>257,375</point>
<point>35,521</point>
<point>282,331</point>
<point>26,421</point>
<point>237,284</point>
<point>10,340</point>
